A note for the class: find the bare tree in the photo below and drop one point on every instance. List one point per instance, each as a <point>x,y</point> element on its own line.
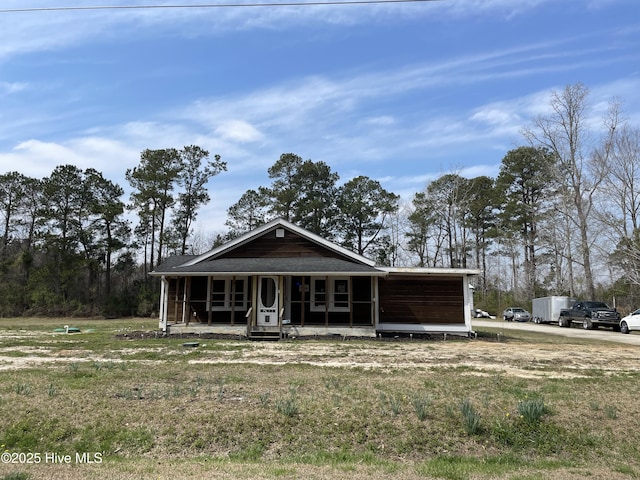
<point>581,160</point>
<point>622,213</point>
<point>449,197</point>
<point>623,182</point>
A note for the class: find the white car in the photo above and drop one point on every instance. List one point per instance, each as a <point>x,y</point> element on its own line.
<point>630,322</point>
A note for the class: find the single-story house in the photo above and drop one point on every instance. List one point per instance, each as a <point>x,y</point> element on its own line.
<point>282,280</point>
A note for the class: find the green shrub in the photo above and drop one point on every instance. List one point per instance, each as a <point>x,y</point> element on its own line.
<point>611,412</point>
<point>421,405</point>
<point>390,404</point>
<point>531,411</point>
<point>288,406</point>
<point>22,388</point>
<point>470,417</point>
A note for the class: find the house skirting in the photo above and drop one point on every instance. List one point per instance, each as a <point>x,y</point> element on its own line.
<point>287,331</point>
<point>319,331</point>
<point>433,328</point>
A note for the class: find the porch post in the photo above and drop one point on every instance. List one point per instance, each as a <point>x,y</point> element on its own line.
<point>350,302</point>
<point>281,306</point>
<point>209,306</point>
<point>254,301</point>
<point>233,300</point>
<point>302,298</point>
<point>164,303</point>
<point>326,301</point>
<point>176,300</point>
<point>375,306</point>
<point>468,302</point>
<point>186,305</point>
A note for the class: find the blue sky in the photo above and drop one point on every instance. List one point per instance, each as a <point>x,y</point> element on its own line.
<point>401,93</point>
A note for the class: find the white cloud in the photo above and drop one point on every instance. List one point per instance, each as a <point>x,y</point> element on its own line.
<point>381,121</point>
<point>507,8</point>
<point>25,32</point>
<point>37,159</point>
<point>488,170</point>
<point>239,131</point>
<point>8,88</point>
<point>492,115</point>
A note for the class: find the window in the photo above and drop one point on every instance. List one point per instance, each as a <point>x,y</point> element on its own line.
<point>340,297</point>
<point>240,293</point>
<point>334,290</point>
<point>225,292</point>
<point>218,294</point>
<point>318,293</point>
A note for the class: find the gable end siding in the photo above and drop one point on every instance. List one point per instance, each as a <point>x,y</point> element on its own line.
<point>270,246</point>
<point>421,300</point>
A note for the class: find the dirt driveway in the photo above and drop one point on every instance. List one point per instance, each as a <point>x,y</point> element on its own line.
<point>604,334</point>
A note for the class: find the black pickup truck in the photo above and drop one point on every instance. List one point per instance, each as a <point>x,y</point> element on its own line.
<point>590,315</point>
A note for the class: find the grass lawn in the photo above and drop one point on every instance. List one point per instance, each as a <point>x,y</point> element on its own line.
<point>97,405</point>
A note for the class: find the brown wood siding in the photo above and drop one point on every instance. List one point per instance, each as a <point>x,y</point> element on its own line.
<point>421,300</point>
<point>269,246</point>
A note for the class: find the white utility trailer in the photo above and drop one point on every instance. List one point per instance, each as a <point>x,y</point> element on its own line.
<point>547,309</point>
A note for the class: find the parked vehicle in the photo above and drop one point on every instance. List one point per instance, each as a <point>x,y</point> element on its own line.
<point>516,313</point>
<point>630,322</point>
<point>590,315</point>
<point>547,309</point>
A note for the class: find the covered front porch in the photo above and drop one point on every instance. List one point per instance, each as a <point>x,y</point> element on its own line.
<point>261,305</point>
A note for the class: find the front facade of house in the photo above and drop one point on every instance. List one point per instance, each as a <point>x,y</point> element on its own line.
<point>281,280</point>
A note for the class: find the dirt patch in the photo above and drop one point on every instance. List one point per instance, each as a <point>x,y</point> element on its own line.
<point>485,355</point>
<point>470,358</point>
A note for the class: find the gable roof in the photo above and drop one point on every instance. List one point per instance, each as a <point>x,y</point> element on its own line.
<point>217,261</point>
<point>272,226</point>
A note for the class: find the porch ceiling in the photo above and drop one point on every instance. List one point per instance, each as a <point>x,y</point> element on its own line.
<point>270,266</point>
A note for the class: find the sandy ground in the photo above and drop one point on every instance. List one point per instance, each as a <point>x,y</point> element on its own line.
<point>617,353</point>
<point>482,357</point>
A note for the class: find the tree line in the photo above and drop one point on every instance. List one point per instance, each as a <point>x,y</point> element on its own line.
<point>68,246</point>
<point>561,217</point>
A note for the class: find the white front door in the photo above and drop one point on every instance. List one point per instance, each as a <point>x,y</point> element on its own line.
<point>267,301</point>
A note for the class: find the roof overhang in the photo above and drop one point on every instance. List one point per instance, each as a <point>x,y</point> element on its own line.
<point>259,273</point>
<point>448,272</point>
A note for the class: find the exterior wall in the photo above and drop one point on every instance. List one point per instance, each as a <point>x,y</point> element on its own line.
<point>422,300</point>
